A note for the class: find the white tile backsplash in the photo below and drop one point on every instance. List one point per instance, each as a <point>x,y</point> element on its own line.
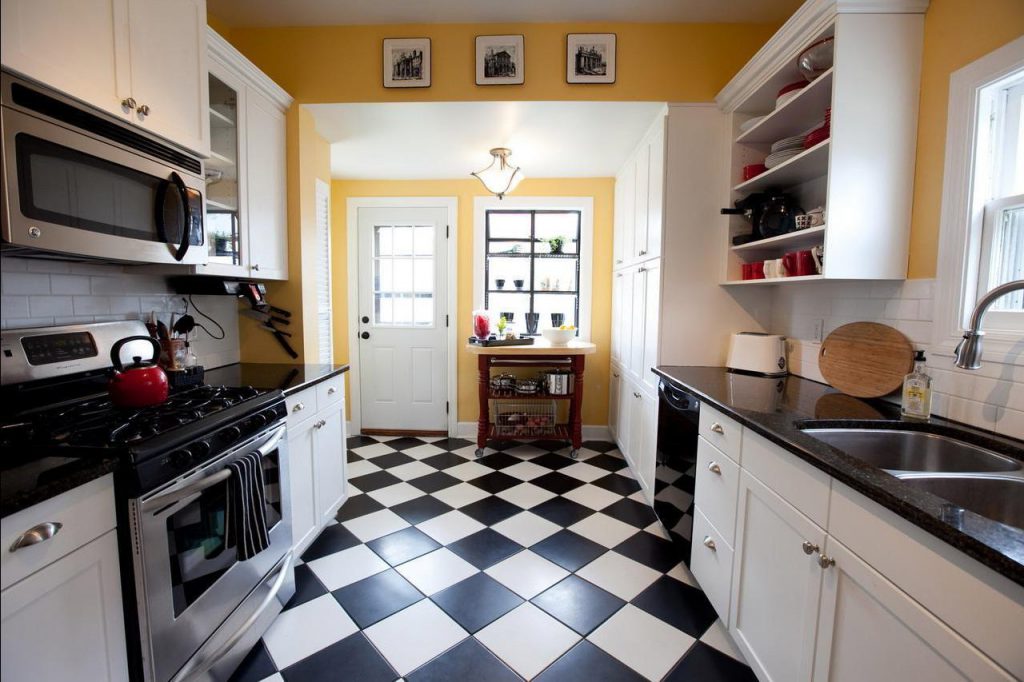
<point>990,398</point>
<point>42,293</point>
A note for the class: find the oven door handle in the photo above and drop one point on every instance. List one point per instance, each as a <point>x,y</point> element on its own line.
<point>213,479</point>
<point>206,662</point>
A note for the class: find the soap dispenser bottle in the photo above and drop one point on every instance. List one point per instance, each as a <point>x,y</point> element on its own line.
<point>917,391</point>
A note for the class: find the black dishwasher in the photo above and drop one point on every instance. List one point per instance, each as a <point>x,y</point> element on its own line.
<point>675,473</point>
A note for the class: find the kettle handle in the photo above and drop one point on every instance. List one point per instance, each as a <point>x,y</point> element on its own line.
<point>115,352</point>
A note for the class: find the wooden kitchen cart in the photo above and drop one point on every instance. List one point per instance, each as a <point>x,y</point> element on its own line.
<point>540,355</point>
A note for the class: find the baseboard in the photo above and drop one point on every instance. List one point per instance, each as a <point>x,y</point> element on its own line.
<point>467,430</point>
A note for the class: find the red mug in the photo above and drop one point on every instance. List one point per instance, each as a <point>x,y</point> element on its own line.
<point>757,270</point>
<point>753,170</point>
<point>800,264</point>
<point>748,270</point>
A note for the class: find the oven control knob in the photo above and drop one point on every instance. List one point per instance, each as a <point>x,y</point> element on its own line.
<point>181,458</point>
<point>200,449</point>
<point>259,420</point>
<point>231,434</point>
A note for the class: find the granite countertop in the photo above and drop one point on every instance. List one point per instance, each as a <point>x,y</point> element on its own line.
<point>287,377</point>
<point>773,406</point>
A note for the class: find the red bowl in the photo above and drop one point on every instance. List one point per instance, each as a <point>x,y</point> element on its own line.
<point>798,85</point>
<point>816,136</point>
<point>753,170</point>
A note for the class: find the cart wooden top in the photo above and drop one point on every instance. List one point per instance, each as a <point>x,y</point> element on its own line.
<point>540,347</point>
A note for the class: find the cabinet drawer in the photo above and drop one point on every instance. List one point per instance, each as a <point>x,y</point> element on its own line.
<point>802,485</point>
<point>716,488</point>
<point>712,565</point>
<point>85,513</point>
<point>330,392</point>
<point>721,431</point>
<point>301,406</point>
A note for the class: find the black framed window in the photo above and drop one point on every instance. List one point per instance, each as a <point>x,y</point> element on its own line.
<point>532,265</point>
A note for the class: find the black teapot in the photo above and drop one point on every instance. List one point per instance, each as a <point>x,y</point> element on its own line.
<point>778,215</point>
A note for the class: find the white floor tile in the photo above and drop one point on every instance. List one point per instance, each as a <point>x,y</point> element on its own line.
<point>347,566</point>
<point>619,575</point>
<point>398,493</point>
<point>276,677</point>
<point>437,570</point>
<point>718,637</point>
<point>361,468</point>
<point>469,452</point>
<point>423,451</point>
<point>683,575</point>
<point>526,495</point>
<point>527,574</point>
<point>525,451</point>
<point>414,635</point>
<point>526,528</point>
<point>527,639</point>
<point>375,450</point>
<point>460,495</point>
<point>656,528</point>
<point>468,471</point>
<point>526,471</point>
<point>375,525</point>
<point>412,470</point>
<point>306,629</point>
<point>451,526</point>
<point>644,643</point>
<point>603,529</point>
<point>592,496</point>
<point>584,472</point>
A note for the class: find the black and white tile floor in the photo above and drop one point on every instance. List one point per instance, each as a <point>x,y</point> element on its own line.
<point>523,564</point>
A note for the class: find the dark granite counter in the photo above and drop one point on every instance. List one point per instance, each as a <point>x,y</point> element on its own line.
<point>774,408</point>
<point>290,378</point>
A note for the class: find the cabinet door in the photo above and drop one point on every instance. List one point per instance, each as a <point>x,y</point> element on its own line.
<point>301,463</point>
<point>620,315</point>
<point>168,70</point>
<point>625,402</point>
<point>655,194</point>
<point>329,462</point>
<point>643,176</point>
<point>652,309</point>
<point>868,629</point>
<point>65,622</point>
<point>625,188</point>
<point>266,188</point>
<point>635,408</point>
<point>614,382</point>
<point>776,585</point>
<point>635,331</point>
<point>75,47</point>
<point>646,424</point>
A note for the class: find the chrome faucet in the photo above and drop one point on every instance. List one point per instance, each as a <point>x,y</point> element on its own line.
<point>968,351</point>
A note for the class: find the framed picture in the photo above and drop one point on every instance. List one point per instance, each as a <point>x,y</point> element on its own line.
<point>590,58</point>
<point>499,60</point>
<point>407,62</point>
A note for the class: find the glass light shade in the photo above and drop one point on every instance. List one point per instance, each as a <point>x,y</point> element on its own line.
<point>500,177</point>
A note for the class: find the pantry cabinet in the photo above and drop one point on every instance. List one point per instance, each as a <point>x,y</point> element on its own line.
<point>639,199</point>
<point>141,60</point>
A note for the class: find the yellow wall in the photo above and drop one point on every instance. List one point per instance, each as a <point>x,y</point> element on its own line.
<point>956,32</point>
<point>595,407</point>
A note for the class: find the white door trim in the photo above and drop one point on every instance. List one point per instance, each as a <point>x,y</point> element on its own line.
<point>352,230</point>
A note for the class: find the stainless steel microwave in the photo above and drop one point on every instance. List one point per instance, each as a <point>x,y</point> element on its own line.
<point>79,183</point>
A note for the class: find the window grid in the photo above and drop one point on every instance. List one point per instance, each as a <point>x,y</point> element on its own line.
<point>396,252</point>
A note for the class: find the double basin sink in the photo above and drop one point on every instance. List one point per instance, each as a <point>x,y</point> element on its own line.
<point>967,476</point>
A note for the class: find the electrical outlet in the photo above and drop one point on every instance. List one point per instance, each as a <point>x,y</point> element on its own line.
<point>818,331</point>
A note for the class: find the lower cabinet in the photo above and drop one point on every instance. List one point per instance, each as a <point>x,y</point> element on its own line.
<point>301,446</point>
<point>329,463</point>
<point>633,423</point>
<point>614,386</point>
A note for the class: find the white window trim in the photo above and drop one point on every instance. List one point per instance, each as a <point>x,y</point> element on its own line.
<point>960,231</point>
<point>585,205</point>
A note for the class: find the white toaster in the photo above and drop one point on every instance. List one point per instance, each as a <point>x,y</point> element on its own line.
<point>758,353</point>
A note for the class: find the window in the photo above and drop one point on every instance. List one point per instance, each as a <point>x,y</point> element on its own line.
<point>403,275</point>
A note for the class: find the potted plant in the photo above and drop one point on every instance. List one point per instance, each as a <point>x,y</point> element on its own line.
<point>556,244</point>
<point>221,243</point>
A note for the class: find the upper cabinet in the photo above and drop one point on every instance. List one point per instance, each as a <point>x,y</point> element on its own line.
<point>141,60</point>
<point>639,200</point>
<point>859,163</point>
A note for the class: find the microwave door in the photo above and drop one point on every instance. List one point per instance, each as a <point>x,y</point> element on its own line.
<point>172,215</point>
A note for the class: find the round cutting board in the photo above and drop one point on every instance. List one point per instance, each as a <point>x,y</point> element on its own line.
<point>866,359</point>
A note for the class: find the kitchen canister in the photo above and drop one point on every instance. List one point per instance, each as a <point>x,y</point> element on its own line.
<point>558,382</point>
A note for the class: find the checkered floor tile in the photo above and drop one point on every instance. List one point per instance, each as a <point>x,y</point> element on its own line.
<point>522,565</point>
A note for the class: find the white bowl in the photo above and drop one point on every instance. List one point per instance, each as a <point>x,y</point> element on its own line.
<point>558,337</point>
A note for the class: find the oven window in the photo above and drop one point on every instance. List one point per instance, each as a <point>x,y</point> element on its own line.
<point>196,543</point>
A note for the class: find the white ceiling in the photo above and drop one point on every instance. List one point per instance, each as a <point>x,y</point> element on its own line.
<point>446,140</point>
<point>331,12</point>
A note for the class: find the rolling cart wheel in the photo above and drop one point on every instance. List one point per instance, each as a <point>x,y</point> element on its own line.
<point>575,454</point>
<point>479,453</point>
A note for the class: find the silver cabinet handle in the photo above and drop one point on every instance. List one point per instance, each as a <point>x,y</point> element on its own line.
<point>709,543</point>
<point>37,534</point>
<point>144,110</point>
<point>298,407</point>
<point>809,547</point>
<point>642,252</point>
<point>332,390</point>
<point>256,267</point>
<point>642,268</point>
<point>618,261</point>
<point>717,428</point>
<point>826,561</point>
<point>616,375</point>
<point>129,103</point>
<point>320,423</point>
<point>714,468</point>
<point>635,394</point>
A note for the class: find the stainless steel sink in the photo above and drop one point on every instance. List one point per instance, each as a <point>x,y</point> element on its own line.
<point>897,451</point>
<point>1000,498</point>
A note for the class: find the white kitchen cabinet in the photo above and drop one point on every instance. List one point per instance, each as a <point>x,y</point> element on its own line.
<point>301,458</point>
<point>329,463</point>
<point>625,218</point>
<point>614,386</point>
<point>639,200</point>
<point>638,304</point>
<point>650,240</point>
<point>624,425</point>
<point>141,60</point>
<point>622,316</point>
<point>266,174</point>
<point>651,278</point>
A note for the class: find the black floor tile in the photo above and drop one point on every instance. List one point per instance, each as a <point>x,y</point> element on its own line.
<point>256,665</point>
<point>616,484</point>
<point>405,443</point>
<point>490,510</point>
<point>607,462</point>
<point>579,604</point>
<point>376,480</point>
<point>307,587</point>
<point>331,539</point>
<point>353,658</point>
<point>476,601</point>
<point>632,512</point>
<point>431,483</point>
<point>420,509</point>
<point>452,443</point>
<point>550,445</point>
<point>599,445</point>
<point>552,461</point>
<point>562,511</point>
<point>467,661</point>
<point>569,550</point>
<point>403,545</point>
<point>557,482</point>
<point>353,457</point>
<point>499,460</point>
<point>392,459</point>
<point>485,548</point>
<point>587,663</point>
<point>707,664</point>
<point>678,604</point>
<point>495,482</point>
<point>650,550</point>
<point>444,460</point>
<point>377,597</point>
<point>356,506</point>
<point>359,441</point>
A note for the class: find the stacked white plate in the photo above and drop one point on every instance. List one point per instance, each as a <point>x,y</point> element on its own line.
<point>784,150</point>
<point>778,158</point>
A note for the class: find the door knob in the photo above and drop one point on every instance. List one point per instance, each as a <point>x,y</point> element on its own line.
<point>364,335</point>
<point>366,319</point>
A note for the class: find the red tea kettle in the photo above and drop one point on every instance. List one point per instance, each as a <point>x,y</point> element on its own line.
<point>140,384</point>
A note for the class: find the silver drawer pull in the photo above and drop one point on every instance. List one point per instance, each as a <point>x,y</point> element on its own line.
<point>144,110</point>
<point>717,428</point>
<point>709,543</point>
<point>320,424</point>
<point>332,390</point>
<point>642,252</point>
<point>635,394</point>
<point>37,534</point>
<point>826,561</point>
<point>714,468</point>
<point>809,547</point>
<point>298,407</point>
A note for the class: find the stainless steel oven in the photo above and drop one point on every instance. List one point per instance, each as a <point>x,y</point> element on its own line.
<point>200,608</point>
<point>79,183</point>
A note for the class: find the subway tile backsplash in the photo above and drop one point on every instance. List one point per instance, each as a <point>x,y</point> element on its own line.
<point>39,293</point>
<point>990,398</point>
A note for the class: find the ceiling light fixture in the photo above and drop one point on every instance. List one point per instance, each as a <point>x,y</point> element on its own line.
<point>500,177</point>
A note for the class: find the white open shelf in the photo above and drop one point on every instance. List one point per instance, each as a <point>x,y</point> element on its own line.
<point>791,241</point>
<point>220,120</point>
<point>803,112</point>
<point>772,280</point>
<point>219,204</point>
<point>809,164</point>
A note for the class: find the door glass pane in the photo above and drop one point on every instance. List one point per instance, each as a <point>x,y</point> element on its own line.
<point>424,240</point>
<point>403,240</point>
<point>403,310</point>
<point>382,240</point>
<point>403,275</point>
<point>222,175</point>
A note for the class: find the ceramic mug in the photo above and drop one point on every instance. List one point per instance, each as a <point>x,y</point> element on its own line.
<point>817,216</point>
<point>774,268</point>
<point>757,270</point>
<point>748,270</point>
<point>801,264</point>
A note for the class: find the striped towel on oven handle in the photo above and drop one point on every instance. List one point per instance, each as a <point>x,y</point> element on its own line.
<point>246,523</point>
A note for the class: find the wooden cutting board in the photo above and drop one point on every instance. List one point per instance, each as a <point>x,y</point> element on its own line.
<point>866,359</point>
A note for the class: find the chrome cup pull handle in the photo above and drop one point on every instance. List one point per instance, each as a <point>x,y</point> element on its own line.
<point>717,428</point>
<point>332,390</point>
<point>826,561</point>
<point>37,534</point>
<point>714,468</point>
<point>809,547</point>
<point>298,407</point>
<point>709,543</point>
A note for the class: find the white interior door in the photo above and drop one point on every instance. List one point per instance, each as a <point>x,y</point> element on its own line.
<point>402,332</point>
